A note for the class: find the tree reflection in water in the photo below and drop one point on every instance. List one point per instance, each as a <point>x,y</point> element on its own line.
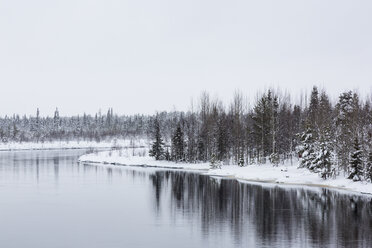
<point>273,215</point>
<point>203,211</point>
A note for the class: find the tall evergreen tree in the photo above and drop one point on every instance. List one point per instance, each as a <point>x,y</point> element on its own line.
<point>241,159</point>
<point>323,160</point>
<point>325,112</point>
<point>344,125</point>
<point>369,167</point>
<point>312,117</point>
<point>178,144</point>
<point>356,163</point>
<point>306,149</point>
<point>157,150</point>
<point>57,124</point>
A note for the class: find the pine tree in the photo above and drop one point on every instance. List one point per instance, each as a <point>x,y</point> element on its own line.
<point>369,167</point>
<point>313,109</point>
<point>241,159</point>
<point>167,155</point>
<point>178,144</point>
<point>306,149</point>
<point>325,112</point>
<point>56,123</point>
<point>157,149</point>
<point>356,164</point>
<point>323,160</point>
<point>344,124</point>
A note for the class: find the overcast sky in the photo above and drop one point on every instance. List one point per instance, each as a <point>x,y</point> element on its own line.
<point>146,55</point>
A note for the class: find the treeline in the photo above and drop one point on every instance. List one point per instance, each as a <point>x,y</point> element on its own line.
<point>85,127</point>
<point>329,138</point>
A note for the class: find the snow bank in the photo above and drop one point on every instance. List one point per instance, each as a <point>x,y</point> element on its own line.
<point>286,174</point>
<point>72,144</point>
<point>289,175</point>
<point>137,157</point>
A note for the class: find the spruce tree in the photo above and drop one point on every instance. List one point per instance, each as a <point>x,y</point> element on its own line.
<point>369,167</point>
<point>306,149</point>
<point>356,164</point>
<point>241,159</point>
<point>325,112</point>
<point>167,155</point>
<point>323,160</point>
<point>56,123</point>
<point>313,109</point>
<point>178,144</point>
<point>157,150</point>
<point>344,127</point>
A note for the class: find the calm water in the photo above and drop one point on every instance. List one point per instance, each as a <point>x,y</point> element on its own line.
<point>48,200</point>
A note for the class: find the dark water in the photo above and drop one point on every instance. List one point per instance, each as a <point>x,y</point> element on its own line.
<point>48,200</point>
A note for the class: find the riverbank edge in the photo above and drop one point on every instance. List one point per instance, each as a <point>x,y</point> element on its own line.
<point>73,145</point>
<point>52,148</point>
<point>204,171</point>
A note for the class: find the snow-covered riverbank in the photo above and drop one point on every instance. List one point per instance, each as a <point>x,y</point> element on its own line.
<point>286,174</point>
<point>10,146</point>
<point>137,157</point>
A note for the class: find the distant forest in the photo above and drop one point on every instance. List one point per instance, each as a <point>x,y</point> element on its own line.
<point>329,137</point>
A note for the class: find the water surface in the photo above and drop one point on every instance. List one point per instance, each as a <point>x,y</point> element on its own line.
<point>48,200</point>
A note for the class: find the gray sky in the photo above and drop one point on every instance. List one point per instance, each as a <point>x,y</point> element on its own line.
<point>145,55</point>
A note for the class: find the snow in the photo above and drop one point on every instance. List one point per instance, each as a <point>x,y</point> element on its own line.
<point>72,144</point>
<point>289,175</point>
<point>140,158</point>
<point>284,174</point>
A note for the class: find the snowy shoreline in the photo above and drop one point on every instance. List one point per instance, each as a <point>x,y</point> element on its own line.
<point>283,175</point>
<point>61,145</point>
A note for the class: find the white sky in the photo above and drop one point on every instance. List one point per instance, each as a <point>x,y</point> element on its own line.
<point>146,55</point>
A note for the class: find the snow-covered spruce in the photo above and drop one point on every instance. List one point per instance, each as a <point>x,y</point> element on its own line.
<point>157,150</point>
<point>369,168</point>
<point>306,149</point>
<point>356,163</point>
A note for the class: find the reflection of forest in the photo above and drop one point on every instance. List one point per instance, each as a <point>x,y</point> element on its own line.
<point>276,214</point>
<point>272,216</point>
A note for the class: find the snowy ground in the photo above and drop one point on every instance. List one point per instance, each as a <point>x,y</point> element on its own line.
<point>72,144</point>
<point>283,174</point>
<point>137,157</point>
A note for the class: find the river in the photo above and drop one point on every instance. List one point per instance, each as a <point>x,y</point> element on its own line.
<point>49,200</point>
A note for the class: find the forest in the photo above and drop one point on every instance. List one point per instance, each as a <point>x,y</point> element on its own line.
<point>328,137</point>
